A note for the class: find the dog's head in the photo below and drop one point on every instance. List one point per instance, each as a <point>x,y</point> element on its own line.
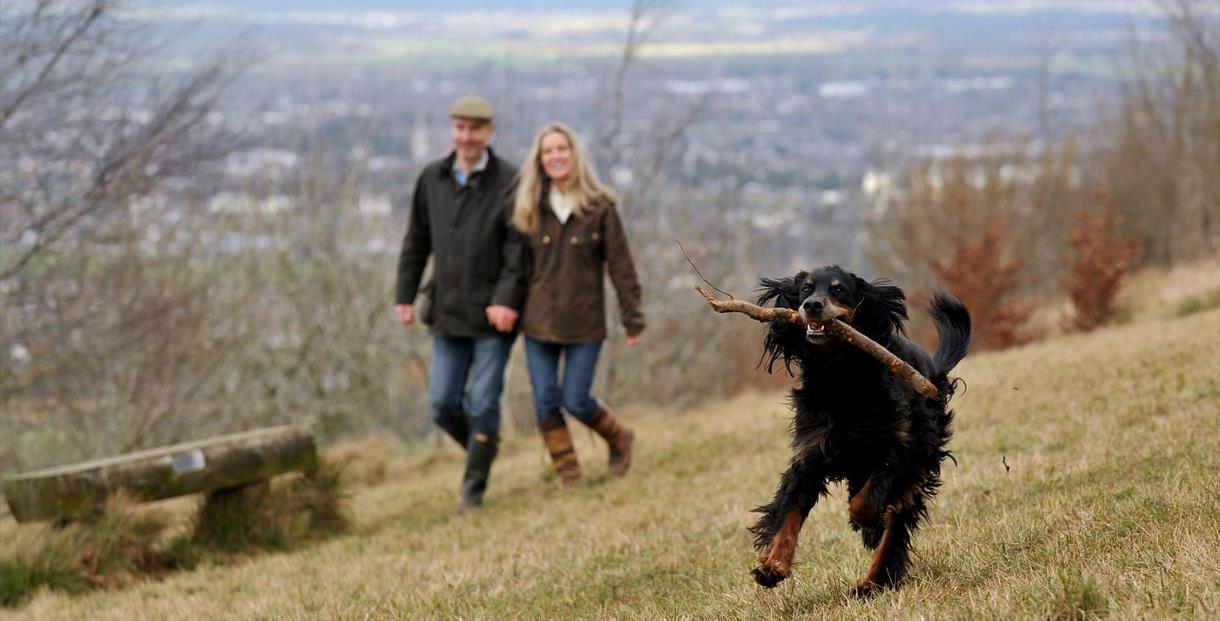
<point>877,309</point>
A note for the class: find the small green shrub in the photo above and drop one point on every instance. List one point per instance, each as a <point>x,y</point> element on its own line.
<point>1197,304</point>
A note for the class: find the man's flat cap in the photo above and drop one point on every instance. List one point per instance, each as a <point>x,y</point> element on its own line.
<point>472,107</point>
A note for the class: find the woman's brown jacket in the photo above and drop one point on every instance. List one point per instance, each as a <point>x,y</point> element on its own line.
<point>566,301</point>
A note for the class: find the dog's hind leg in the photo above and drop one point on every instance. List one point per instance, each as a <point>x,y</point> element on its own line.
<point>883,493</point>
<point>870,533</point>
<point>777,531</point>
<point>892,556</point>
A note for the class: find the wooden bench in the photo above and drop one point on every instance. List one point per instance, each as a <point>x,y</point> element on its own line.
<point>221,463</point>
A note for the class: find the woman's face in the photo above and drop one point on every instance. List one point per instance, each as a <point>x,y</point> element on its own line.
<point>556,157</point>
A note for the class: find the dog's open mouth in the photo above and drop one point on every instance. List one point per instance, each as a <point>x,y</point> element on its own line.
<point>816,333</point>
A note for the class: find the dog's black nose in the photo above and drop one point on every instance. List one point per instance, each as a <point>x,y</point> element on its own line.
<point>813,306</point>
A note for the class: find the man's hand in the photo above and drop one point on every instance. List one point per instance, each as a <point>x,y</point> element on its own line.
<point>406,314</point>
<point>502,317</point>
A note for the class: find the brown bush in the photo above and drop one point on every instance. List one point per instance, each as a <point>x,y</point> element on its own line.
<point>978,273</point>
<point>1092,277</point>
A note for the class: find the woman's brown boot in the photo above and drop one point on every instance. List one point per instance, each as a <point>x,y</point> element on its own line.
<point>559,445</point>
<point>617,434</point>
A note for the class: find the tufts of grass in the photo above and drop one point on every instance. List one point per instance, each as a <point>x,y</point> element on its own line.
<point>274,515</point>
<point>366,462</point>
<point>1197,304</point>
<point>1079,599</point>
<point>113,547</point>
<point>125,543</point>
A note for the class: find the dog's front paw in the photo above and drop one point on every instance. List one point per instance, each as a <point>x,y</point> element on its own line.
<point>767,576</point>
<point>866,589</point>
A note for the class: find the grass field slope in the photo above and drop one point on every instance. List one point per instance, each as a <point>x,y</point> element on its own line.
<point>1086,486</point>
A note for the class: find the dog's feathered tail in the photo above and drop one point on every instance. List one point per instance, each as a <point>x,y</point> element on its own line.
<point>953,332</point>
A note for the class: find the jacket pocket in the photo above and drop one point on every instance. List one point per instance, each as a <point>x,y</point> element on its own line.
<point>584,248</point>
<point>426,302</point>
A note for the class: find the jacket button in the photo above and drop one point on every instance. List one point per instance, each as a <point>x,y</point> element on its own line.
<point>574,240</point>
<point>546,239</point>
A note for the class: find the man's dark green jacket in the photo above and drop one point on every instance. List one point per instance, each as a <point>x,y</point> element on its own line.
<point>478,257</point>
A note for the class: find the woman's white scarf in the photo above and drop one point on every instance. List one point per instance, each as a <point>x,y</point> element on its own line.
<point>562,204</point>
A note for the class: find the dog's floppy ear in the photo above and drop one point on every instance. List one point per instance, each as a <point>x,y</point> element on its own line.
<point>782,338</point>
<point>785,291</point>
<point>882,308</point>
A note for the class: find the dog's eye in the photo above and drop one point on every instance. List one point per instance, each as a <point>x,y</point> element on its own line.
<point>838,289</point>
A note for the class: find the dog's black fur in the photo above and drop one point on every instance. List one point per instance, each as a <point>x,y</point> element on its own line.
<point>856,421</point>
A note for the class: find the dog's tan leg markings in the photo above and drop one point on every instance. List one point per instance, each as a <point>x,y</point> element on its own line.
<point>874,579</point>
<point>776,563</point>
<point>860,512</point>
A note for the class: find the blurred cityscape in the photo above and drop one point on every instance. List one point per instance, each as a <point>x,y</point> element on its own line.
<point>810,112</point>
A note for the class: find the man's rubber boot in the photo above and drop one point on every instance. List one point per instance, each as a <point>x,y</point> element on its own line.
<point>480,452</point>
<point>460,432</point>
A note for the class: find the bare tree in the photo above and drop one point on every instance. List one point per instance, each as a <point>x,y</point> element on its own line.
<point>115,332</point>
<point>643,19</point>
<point>1166,137</point>
<point>80,132</point>
<point>1047,49</point>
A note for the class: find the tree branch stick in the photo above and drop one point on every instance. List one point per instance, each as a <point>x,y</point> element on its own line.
<point>836,328</point>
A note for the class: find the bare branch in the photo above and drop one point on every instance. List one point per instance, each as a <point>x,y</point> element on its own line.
<point>836,328</point>
<point>95,12</point>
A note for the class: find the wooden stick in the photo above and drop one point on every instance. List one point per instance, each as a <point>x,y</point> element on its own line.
<point>836,328</point>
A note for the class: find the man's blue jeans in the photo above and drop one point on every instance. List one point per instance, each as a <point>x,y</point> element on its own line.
<point>467,379</point>
<point>579,366</point>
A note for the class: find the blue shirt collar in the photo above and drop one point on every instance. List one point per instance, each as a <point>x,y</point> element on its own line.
<point>462,177</point>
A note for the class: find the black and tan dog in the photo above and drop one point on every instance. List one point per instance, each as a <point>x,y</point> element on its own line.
<point>855,421</point>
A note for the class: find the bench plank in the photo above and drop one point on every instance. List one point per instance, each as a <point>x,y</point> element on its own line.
<point>228,461</point>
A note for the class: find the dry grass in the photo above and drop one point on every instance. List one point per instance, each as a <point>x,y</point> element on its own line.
<point>127,544</point>
<point>123,542</point>
<point>1147,294</point>
<point>1108,507</point>
<point>1156,293</point>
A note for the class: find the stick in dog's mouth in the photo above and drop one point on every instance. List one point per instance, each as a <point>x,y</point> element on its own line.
<point>836,328</point>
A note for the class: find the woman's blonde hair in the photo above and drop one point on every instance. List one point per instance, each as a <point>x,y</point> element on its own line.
<point>582,183</point>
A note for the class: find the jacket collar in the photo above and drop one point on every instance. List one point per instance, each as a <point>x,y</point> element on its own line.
<point>544,204</point>
<point>446,169</point>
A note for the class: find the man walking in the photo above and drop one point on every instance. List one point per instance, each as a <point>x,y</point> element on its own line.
<point>460,215</point>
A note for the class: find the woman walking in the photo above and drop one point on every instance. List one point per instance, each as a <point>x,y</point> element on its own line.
<point>575,236</point>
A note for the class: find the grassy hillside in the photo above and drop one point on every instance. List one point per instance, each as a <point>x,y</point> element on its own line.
<point>1109,506</point>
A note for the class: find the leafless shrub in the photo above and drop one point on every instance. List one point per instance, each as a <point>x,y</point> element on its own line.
<point>1092,277</point>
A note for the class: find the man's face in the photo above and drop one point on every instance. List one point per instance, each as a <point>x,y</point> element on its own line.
<point>470,137</point>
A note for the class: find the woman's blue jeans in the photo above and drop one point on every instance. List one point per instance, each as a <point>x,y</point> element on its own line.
<point>579,366</point>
